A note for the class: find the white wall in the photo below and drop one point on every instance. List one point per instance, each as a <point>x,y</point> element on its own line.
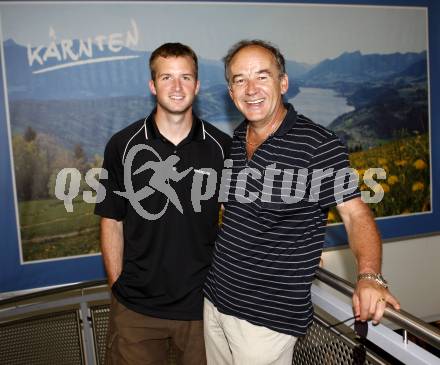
<point>412,268</point>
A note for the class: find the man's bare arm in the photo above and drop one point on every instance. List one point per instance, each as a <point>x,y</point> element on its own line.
<point>112,248</point>
<point>366,245</point>
<point>363,236</point>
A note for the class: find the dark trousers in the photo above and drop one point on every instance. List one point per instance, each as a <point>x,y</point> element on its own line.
<point>135,338</point>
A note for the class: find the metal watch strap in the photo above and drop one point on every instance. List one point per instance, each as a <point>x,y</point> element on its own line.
<point>377,277</point>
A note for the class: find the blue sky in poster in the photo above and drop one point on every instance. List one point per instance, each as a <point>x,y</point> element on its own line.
<point>379,29</point>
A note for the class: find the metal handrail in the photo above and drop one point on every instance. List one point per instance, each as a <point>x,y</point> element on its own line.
<point>52,291</point>
<point>401,318</point>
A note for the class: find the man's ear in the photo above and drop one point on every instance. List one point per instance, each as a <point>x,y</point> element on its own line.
<point>152,87</point>
<point>197,86</point>
<point>284,83</point>
<point>230,92</point>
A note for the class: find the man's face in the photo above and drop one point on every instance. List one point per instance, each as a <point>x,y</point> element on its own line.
<point>255,84</point>
<point>175,84</point>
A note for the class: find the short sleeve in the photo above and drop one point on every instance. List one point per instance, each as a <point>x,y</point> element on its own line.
<point>113,206</point>
<point>332,180</point>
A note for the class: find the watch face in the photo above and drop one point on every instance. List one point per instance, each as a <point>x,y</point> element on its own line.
<point>381,281</point>
<point>381,278</point>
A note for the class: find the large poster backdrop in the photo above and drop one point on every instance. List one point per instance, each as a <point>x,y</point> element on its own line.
<point>75,73</point>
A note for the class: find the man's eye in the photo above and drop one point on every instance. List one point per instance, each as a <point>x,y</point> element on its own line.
<point>165,78</point>
<point>239,81</point>
<point>262,78</point>
<point>187,78</point>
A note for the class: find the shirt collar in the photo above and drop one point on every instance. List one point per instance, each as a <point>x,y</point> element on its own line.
<point>288,122</point>
<point>197,132</point>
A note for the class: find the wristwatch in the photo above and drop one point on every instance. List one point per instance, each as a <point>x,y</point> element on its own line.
<point>377,277</point>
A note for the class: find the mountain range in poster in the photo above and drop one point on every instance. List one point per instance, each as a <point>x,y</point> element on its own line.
<point>93,101</point>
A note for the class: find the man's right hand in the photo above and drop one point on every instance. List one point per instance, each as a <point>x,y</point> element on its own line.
<point>112,248</point>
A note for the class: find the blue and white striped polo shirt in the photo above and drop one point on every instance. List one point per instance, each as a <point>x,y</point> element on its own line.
<point>270,243</point>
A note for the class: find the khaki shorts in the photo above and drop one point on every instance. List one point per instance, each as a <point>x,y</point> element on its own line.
<point>135,338</point>
<point>233,341</point>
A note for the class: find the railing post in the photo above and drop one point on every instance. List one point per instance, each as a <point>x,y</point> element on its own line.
<point>87,332</point>
<point>405,336</point>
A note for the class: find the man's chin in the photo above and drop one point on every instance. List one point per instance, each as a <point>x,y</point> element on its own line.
<point>180,110</point>
<point>176,110</point>
<point>252,117</point>
<point>252,114</point>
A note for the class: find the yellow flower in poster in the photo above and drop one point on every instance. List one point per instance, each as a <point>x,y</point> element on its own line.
<point>405,185</point>
<point>400,163</point>
<point>331,216</point>
<point>420,164</point>
<point>360,172</point>
<point>392,179</point>
<point>385,187</point>
<point>418,186</point>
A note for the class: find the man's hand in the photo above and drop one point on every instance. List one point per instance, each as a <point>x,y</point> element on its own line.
<point>370,300</point>
<point>112,248</point>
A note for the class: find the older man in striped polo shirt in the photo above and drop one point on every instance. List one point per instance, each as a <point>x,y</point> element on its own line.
<point>287,172</point>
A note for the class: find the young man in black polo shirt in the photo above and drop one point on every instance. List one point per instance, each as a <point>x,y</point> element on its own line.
<point>155,244</point>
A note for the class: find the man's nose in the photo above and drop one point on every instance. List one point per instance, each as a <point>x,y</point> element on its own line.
<point>251,87</point>
<point>177,84</point>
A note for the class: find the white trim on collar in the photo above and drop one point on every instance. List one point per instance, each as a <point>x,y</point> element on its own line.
<point>144,126</point>
<point>203,129</point>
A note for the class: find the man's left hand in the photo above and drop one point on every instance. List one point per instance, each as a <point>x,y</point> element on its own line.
<point>370,300</point>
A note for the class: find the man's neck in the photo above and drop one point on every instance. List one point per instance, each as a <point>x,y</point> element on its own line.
<point>266,127</point>
<point>174,127</point>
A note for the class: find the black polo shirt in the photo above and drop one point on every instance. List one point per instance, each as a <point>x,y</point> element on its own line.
<point>268,250</point>
<point>165,260</point>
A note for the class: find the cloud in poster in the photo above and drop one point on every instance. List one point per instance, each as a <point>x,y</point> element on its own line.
<point>306,33</point>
